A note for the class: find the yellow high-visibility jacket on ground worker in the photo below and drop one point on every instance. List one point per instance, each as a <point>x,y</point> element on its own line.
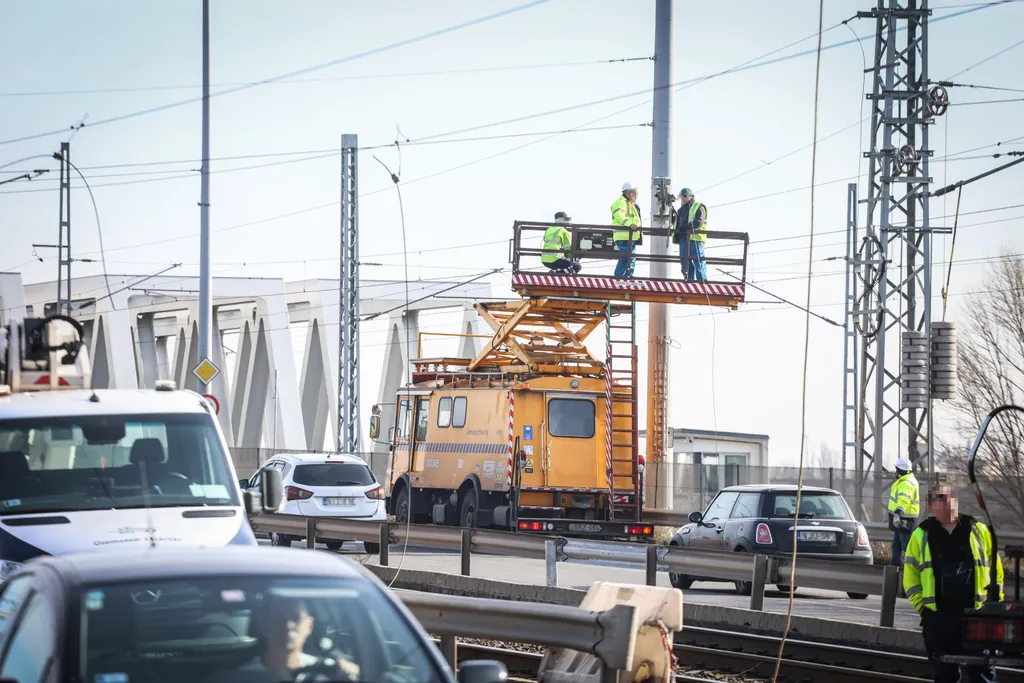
<point>555,237</point>
<point>919,576</point>
<point>904,495</point>
<point>626,215</point>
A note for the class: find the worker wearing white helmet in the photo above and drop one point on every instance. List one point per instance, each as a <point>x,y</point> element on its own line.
<point>904,507</point>
<point>625,213</point>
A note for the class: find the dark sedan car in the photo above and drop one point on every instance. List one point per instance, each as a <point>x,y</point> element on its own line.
<point>216,614</point>
<point>759,519</point>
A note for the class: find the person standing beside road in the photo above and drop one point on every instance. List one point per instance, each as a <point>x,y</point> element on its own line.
<point>557,242</point>
<point>904,506</point>
<point>690,235</point>
<point>626,214</point>
<point>947,571</point>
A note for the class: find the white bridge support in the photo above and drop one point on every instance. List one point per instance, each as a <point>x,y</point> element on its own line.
<point>146,330</point>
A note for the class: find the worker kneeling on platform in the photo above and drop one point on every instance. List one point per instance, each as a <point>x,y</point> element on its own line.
<point>557,244</point>
<point>690,235</point>
<point>946,571</point>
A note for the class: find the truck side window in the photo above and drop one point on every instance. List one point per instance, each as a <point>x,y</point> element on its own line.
<point>422,410</point>
<point>401,431</point>
<point>444,412</point>
<point>459,416</point>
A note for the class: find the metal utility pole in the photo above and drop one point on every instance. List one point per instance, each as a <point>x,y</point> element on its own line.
<point>64,232</point>
<point>892,272</point>
<point>658,431</point>
<point>205,279</point>
<point>348,335</point>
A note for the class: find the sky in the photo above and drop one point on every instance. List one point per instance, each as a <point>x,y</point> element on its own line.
<point>740,140</point>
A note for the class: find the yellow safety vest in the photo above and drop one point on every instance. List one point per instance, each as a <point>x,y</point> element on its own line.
<point>555,237</point>
<point>904,493</point>
<point>919,577</point>
<point>699,234</point>
<point>626,214</point>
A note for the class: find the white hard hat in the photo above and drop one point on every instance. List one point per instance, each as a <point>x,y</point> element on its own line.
<point>626,187</point>
<point>904,464</point>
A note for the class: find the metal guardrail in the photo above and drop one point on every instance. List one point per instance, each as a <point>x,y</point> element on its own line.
<point>758,570</point>
<point>609,635</point>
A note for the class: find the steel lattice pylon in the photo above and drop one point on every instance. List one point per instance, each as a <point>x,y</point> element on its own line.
<point>889,273</point>
<point>348,336</point>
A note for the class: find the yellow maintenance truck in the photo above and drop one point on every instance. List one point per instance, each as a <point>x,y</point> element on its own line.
<point>535,433</point>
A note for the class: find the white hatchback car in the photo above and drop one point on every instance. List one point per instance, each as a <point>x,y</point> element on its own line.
<point>324,485</point>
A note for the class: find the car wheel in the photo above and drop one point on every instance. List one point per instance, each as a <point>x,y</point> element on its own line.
<point>680,581</point>
<point>743,587</point>
<point>857,596</point>
<point>280,540</point>
<point>334,545</point>
<point>371,548</point>
<point>468,510</point>
<point>785,589</point>
<point>402,505</point>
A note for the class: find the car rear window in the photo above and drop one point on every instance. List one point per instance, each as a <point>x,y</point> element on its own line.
<point>333,474</point>
<point>812,505</point>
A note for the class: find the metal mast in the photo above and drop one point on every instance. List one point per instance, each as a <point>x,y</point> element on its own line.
<point>658,431</point>
<point>892,273</point>
<point>348,336</point>
<point>205,277</point>
<point>64,232</point>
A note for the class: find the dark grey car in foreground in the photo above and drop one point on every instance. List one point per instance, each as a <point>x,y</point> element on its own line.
<point>213,614</point>
<point>758,518</point>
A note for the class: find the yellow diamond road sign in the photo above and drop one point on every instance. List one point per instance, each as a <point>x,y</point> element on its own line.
<point>206,371</point>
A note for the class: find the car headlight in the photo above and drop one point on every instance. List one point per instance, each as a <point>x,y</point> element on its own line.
<point>7,568</point>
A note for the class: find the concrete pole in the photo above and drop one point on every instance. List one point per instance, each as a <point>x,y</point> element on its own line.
<point>659,329</point>
<point>205,279</point>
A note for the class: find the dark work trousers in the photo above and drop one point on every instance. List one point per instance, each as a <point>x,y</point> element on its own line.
<point>900,541</point>
<point>565,266</point>
<point>943,633</point>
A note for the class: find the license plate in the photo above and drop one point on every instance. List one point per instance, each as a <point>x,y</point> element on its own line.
<point>339,501</point>
<point>586,528</point>
<point>819,536</point>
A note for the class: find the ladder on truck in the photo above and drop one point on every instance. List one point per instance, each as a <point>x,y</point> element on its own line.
<point>623,420</point>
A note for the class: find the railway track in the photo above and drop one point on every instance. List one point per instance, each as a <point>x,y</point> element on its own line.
<point>743,656</point>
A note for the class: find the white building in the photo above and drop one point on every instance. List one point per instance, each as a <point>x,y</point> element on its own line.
<point>702,462</point>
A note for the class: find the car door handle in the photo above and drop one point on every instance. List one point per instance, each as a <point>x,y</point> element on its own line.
<point>718,530</point>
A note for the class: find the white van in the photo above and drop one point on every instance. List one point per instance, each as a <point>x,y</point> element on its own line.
<point>84,469</point>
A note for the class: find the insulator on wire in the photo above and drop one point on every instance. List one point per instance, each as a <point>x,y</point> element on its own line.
<point>943,361</point>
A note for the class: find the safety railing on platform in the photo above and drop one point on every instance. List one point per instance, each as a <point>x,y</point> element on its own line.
<point>758,570</point>
<point>594,244</point>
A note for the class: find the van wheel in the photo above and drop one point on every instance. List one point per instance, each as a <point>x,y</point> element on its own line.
<point>857,596</point>
<point>402,505</point>
<point>280,540</point>
<point>334,546</point>
<point>371,548</point>
<point>468,510</point>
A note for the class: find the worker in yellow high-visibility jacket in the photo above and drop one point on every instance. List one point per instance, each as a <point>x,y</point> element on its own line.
<point>904,507</point>
<point>626,214</point>
<point>557,244</point>
<point>691,235</point>
<point>947,571</point>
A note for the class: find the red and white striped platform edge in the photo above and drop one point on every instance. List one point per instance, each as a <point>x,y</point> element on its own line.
<point>628,284</point>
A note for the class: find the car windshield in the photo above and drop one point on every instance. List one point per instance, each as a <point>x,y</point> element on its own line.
<point>812,506</point>
<point>99,462</point>
<point>333,474</point>
<point>256,629</point>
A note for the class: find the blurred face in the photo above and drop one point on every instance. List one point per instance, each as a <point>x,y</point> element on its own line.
<point>286,623</point>
<point>631,195</point>
<point>687,198</point>
<point>944,505</point>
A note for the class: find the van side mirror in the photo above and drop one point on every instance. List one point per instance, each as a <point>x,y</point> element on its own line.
<point>696,517</point>
<point>482,671</point>
<point>374,426</point>
<point>271,489</point>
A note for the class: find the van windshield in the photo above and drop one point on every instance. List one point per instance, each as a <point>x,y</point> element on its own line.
<point>64,464</point>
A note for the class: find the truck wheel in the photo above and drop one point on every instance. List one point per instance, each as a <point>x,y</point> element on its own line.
<point>468,510</point>
<point>402,505</point>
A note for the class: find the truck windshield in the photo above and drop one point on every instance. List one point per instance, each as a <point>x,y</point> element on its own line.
<point>65,464</point>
